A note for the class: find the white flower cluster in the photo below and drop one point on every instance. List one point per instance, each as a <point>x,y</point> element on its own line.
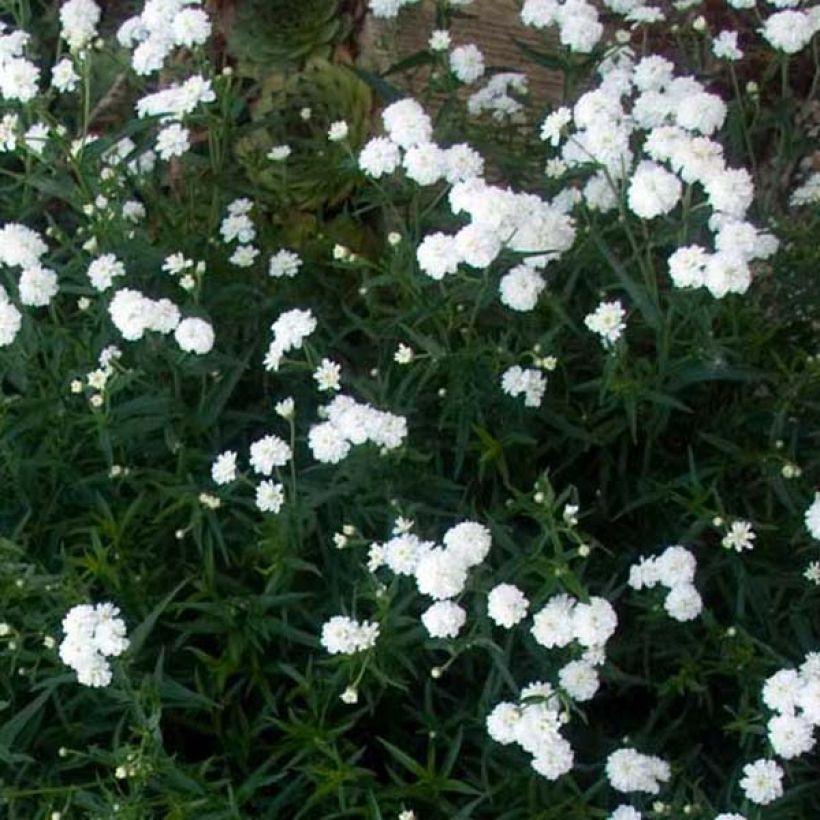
<point>18,76</point>
<point>289,333</point>
<point>535,723</point>
<point>21,247</point>
<point>563,619</point>
<point>630,771</point>
<point>134,314</point>
<point>162,26</point>
<point>496,97</point>
<point>675,569</point>
<point>409,144</point>
<point>578,22</point>
<point>177,100</point>
<point>675,117</point>
<point>527,382</point>
<point>92,635</point>
<point>794,694</point>
<point>500,218</point>
<point>440,571</point>
<point>238,226</point>
<point>349,423</point>
<point>346,636</point>
<point>78,23</point>
<point>266,454</point>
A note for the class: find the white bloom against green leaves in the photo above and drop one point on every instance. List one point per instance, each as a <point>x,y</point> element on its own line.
<point>343,635</point>
<point>223,470</point>
<point>284,263</point>
<point>92,635</point>
<point>607,321</point>
<point>762,781</point>
<point>739,537</point>
<point>630,771</point>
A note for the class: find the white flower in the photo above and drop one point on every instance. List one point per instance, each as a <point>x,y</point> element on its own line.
<point>653,191</point>
<point>285,408</point>
<point>687,265</point>
<point>244,256</point>
<point>501,723</point>
<point>675,566</point>
<point>789,31</point>
<point>553,625</point>
<point>725,47</point>
<point>521,287</point>
<point>781,691</point>
<point>379,157</point>
<point>790,735</point>
<point>173,141</point>
<point>195,336</point>
<point>440,574</point>
<point>103,270</point>
<point>469,542</point>
<point>279,153</point>
<point>594,623</point>
<point>37,286</point>
<point>467,63</point>
<point>338,131</point>
<point>407,124</point>
<point>554,124</point>
<point>190,27</point>
<point>607,320</point>
<point>284,263</point>
<point>270,496</point>
<point>36,138</point>
<point>402,552</point>
<point>438,255</point>
<point>507,605</point>
<point>740,536</point>
<point>579,680</point>
<point>327,444</point>
<point>269,452</point>
<point>404,354</point>
<point>439,40</point>
<point>350,696</point>
<point>18,79</point>
<point>78,22</point>
<point>683,603</point>
<point>444,619</point>
<point>223,470</point>
<point>425,164</point>
<point>327,375</point>
<point>63,76</point>
<point>762,781</point>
